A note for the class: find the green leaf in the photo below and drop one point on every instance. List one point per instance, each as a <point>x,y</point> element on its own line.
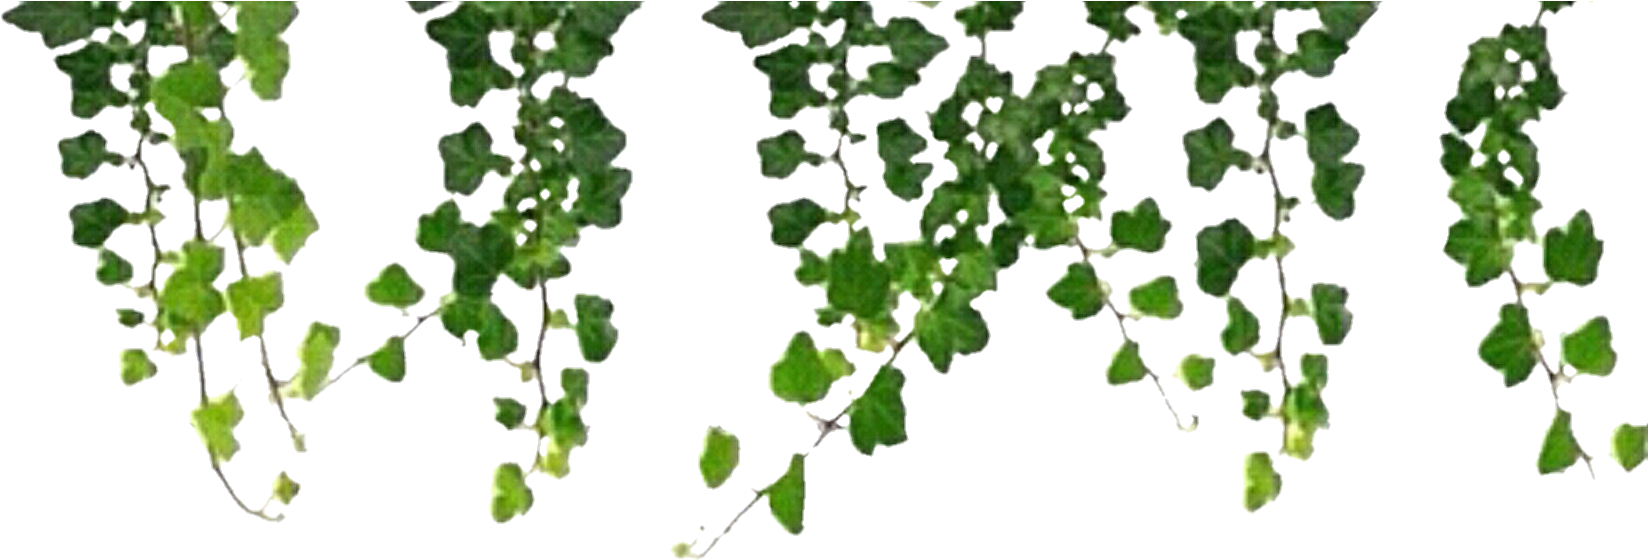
<point>719,458</point>
<point>984,17</point>
<point>1196,371</point>
<point>258,26</point>
<point>1456,154</point>
<point>877,416</point>
<point>510,412</point>
<point>215,421</point>
<point>90,70</point>
<point>389,360</point>
<point>1315,370</point>
<point>1241,330</point>
<point>1143,229</point>
<point>782,154</point>
<point>394,287</point>
<point>948,327</point>
<point>1573,251</point>
<point>1630,445</point>
<point>314,361</point>
<point>510,495</point>
<point>135,366</point>
<point>794,221</point>
<point>1590,349</point>
<point>437,228</point>
<point>813,270</point>
<point>479,255</point>
<point>286,488</point>
<point>260,198</point>
<point>787,497</point>
<point>561,422</point>
<point>191,84</point>
<point>757,23</point>
<point>112,269</point>
<point>1255,404</point>
<point>787,77</point>
<point>1509,346</point>
<point>575,386</point>
<point>584,36</point>
<point>1334,182</point>
<point>1476,243</point>
<point>1221,251</point>
<point>858,283</point>
<point>291,234</point>
<point>468,156</point>
<point>596,335</point>
<point>95,221</point>
<point>1211,153</point>
<point>1561,449</point>
<point>1304,413</point>
<point>1126,366</point>
<point>1079,291</point>
<point>1213,32</point>
<point>129,317</point>
<point>497,335</point>
<point>911,45</point>
<point>253,298</point>
<point>897,143</point>
<point>58,23</point>
<point>805,373</point>
<point>1317,52</point>
<point>1262,483</point>
<point>188,301</point>
<point>84,154</point>
<point>1333,320</point>
<point>888,80</point>
<point>1157,298</point>
<point>465,34</point>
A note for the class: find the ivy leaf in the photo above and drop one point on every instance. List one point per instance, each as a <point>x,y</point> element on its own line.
<point>787,77</point>
<point>510,412</point>
<point>253,298</point>
<point>897,143</point>
<point>1262,485</point>
<point>291,234</point>
<point>757,23</point>
<point>497,335</point>
<point>389,360</point>
<point>89,70</point>
<point>1334,182</point>
<point>1561,449</point>
<point>1315,370</point>
<point>188,301</point>
<point>1317,52</point>
<point>1333,320</point>
<point>1112,18</point>
<point>584,36</point>
<point>984,17</point>
<point>782,154</point>
<point>1572,252</point>
<point>135,366</point>
<point>465,35</point>
<point>1213,32</point>
<point>888,80</point>
<point>1079,291</point>
<point>467,156</point>
<point>1196,371</point>
<point>877,416</point>
<point>112,269</point>
<point>215,421</point>
<point>437,228</point>
<point>129,317</point>
<point>421,7</point>
<point>858,283</point>
<point>804,374</point>
<point>1126,366</point>
<point>1142,229</point>
<point>1476,243</point>
<point>787,497</point>
<point>258,26</point>
<point>719,458</point>
<point>911,45</point>
<point>1343,20</point>
<point>286,488</point>
<point>84,154</point>
<point>1630,445</point>
<point>1255,404</point>
<point>813,270</point>
<point>1241,331</point>
<point>261,198</point>
<point>561,422</point>
<point>95,221</point>
<point>1221,251</point>
<point>314,361</point>
<point>479,255</point>
<point>596,335</point>
<point>58,23</point>
<point>1211,153</point>
<point>950,326</point>
<point>1304,411</point>
<point>794,221</point>
<point>1509,346</point>
<point>394,287</point>
<point>575,386</point>
<point>1456,154</point>
<point>510,495</point>
<point>1157,298</point>
<point>1590,349</point>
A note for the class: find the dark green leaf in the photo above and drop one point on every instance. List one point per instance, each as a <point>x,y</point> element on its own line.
<point>877,416</point>
<point>1334,186</point>
<point>479,255</point>
<point>467,156</point>
<point>1561,449</point>
<point>575,386</point>
<point>90,71</point>
<point>1241,329</point>
<point>1079,291</point>
<point>436,229</point>
<point>1221,251</point>
<point>719,458</point>
<point>757,23</point>
<point>794,221</point>
<point>111,268</point>
<point>911,45</point>
<point>1196,371</point>
<point>787,497</point>
<point>984,17</point>
<point>510,412</point>
<point>95,221</point>
<point>1315,370</point>
<point>1590,349</point>
<point>858,283</point>
<point>1255,404</point>
<point>1142,229</point>
<point>788,78</point>
<point>948,327</point>
<point>1573,251</point>
<point>1333,320</point>
<point>1509,346</point>
<point>465,34</point>
<point>129,317</point>
<point>497,335</point>
<point>389,360</point>
<point>58,23</point>
<point>1317,51</point>
<point>897,143</point>
<point>782,154</point>
<point>83,154</point>
<point>1126,366</point>
<point>596,335</point>
<point>1328,137</point>
<point>1211,153</point>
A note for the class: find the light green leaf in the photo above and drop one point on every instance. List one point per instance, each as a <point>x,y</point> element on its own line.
<point>787,497</point>
<point>1126,366</point>
<point>286,488</point>
<point>1157,298</point>
<point>804,374</point>
<point>215,421</point>
<point>253,298</point>
<point>1561,449</point>
<point>575,386</point>
<point>389,360</point>
<point>1241,330</point>
<point>112,269</point>
<point>1196,371</point>
<point>188,301</point>
<point>395,288</point>
<point>258,26</point>
<point>135,366</point>
<point>291,234</point>
<point>1262,483</point>
<point>314,361</point>
<point>1630,445</point>
<point>877,416</point>
<point>510,495</point>
<point>719,458</point>
<point>1590,349</point>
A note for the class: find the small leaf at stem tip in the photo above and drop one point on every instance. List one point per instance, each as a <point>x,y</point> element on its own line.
<point>1255,404</point>
<point>719,458</point>
<point>129,317</point>
<point>286,488</point>
<point>1196,371</point>
<point>1560,449</point>
<point>1157,298</point>
<point>787,496</point>
<point>510,495</point>
<point>1079,291</point>
<point>135,366</point>
<point>510,412</point>
<point>394,288</point>
<point>1630,445</point>
<point>389,360</point>
<point>1590,349</point>
<point>1262,484</point>
<point>1126,366</point>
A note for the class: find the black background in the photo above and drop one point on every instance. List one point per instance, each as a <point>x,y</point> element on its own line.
<point>1019,448</point>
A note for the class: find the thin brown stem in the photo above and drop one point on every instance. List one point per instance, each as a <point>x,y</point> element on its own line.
<point>258,513</point>
<point>538,355</point>
<point>362,360</point>
<point>1121,325</point>
<point>263,352</point>
<point>758,495</point>
<point>1556,375</point>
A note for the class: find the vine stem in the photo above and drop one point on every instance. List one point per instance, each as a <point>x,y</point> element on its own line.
<point>217,468</point>
<point>1121,325</point>
<point>263,349</point>
<point>538,355</point>
<point>404,336</point>
<point>1556,376</point>
<point>1278,215</point>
